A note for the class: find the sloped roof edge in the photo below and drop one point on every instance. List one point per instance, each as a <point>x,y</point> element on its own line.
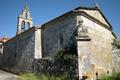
<point>21,34</point>
<point>104,17</point>
<point>95,8</point>
<point>87,8</point>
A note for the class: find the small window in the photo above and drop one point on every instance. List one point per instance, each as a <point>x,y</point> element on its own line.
<point>27,25</point>
<point>26,15</point>
<point>23,26</point>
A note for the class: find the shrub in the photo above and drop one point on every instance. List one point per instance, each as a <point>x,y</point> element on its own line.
<point>63,55</point>
<point>62,64</point>
<point>117,43</point>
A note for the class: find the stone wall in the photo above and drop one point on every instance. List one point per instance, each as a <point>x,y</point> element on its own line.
<point>100,48</point>
<point>19,52</point>
<point>54,67</point>
<point>94,56</point>
<point>38,44</point>
<point>84,58</point>
<point>58,34</point>
<point>116,59</point>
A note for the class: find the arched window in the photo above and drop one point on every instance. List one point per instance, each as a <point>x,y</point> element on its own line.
<point>23,26</point>
<point>27,25</point>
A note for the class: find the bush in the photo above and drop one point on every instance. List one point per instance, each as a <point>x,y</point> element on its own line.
<point>61,65</point>
<point>67,64</point>
<point>63,55</point>
<point>117,43</point>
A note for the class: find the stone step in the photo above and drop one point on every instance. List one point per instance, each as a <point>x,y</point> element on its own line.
<point>8,76</point>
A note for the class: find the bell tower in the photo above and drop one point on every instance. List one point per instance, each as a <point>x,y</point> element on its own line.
<point>24,20</point>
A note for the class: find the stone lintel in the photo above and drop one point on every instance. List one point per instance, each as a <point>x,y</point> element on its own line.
<point>83,38</point>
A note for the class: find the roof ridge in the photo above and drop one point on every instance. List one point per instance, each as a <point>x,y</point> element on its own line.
<point>88,8</point>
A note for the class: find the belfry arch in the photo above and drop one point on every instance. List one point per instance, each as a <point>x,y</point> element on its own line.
<point>24,20</point>
<point>23,26</point>
<point>27,25</point>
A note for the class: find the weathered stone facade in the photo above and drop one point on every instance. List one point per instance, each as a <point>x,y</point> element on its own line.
<point>116,59</point>
<point>97,51</point>
<point>55,67</point>
<point>99,48</point>
<point>85,31</point>
<point>18,52</point>
<point>58,34</point>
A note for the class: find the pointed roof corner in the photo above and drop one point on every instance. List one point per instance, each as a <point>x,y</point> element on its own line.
<point>26,8</point>
<point>96,5</point>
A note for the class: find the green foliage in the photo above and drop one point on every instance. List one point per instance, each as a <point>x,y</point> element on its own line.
<point>114,76</point>
<point>67,61</point>
<point>63,60</point>
<point>29,76</point>
<point>117,43</point>
<point>52,77</point>
<point>32,76</point>
<point>63,55</point>
<point>106,78</point>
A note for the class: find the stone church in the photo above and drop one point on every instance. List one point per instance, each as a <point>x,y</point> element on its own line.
<point>86,27</point>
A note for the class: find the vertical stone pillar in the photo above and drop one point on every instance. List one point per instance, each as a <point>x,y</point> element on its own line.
<point>38,44</point>
<point>83,50</point>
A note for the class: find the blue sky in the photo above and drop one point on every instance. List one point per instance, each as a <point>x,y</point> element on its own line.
<point>45,10</point>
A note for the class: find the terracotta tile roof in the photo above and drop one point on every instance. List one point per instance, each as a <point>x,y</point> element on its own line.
<point>4,39</point>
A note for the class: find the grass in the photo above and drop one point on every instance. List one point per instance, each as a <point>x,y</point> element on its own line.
<point>29,76</point>
<point>60,57</point>
<point>32,76</point>
<point>114,76</point>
